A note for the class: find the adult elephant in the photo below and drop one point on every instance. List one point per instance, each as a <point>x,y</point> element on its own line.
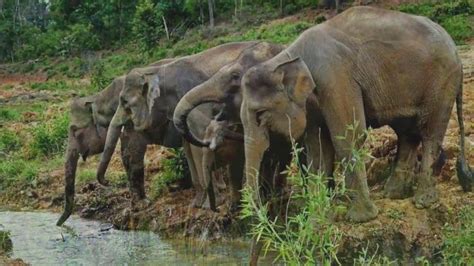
<point>90,117</point>
<point>149,97</point>
<point>402,71</point>
<point>224,87</point>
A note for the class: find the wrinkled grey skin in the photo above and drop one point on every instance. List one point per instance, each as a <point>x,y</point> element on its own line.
<point>150,95</point>
<point>402,71</point>
<point>90,117</point>
<point>224,87</point>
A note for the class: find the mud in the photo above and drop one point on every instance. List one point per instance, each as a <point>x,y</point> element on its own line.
<point>400,231</point>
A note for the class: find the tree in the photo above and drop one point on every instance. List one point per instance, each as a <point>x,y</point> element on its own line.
<point>211,13</point>
<point>147,24</point>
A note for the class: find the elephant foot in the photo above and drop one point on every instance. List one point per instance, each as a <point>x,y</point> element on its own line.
<point>140,204</point>
<point>362,211</point>
<point>399,185</point>
<point>103,181</point>
<point>425,197</point>
<point>199,199</point>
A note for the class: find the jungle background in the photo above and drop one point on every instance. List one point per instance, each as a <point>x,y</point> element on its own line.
<point>51,51</point>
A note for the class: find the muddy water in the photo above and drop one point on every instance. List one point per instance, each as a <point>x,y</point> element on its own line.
<point>38,241</point>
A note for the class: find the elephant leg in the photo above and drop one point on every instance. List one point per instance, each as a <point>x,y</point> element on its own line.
<point>208,163</point>
<point>136,152</point>
<point>125,154</point>
<point>343,111</point>
<point>236,180</point>
<point>320,152</point>
<point>426,193</point>
<point>199,185</point>
<point>432,135</point>
<point>400,183</point>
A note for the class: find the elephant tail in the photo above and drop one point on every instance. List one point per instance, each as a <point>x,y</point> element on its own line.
<point>464,172</point>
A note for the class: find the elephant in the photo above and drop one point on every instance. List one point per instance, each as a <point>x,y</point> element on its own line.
<point>149,97</point>
<point>90,117</point>
<point>402,71</point>
<point>223,152</point>
<point>224,87</point>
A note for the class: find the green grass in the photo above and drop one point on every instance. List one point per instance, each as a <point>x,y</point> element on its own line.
<point>50,138</point>
<point>9,141</point>
<point>8,115</point>
<point>454,16</point>
<point>459,239</point>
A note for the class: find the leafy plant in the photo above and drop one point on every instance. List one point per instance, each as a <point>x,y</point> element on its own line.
<point>459,239</point>
<point>147,24</point>
<point>306,235</point>
<point>50,138</point>
<point>9,141</point>
<point>172,169</point>
<point>452,15</point>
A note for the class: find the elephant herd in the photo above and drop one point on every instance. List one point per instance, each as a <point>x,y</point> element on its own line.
<point>239,107</point>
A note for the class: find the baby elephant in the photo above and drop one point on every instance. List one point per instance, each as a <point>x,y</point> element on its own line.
<point>225,150</point>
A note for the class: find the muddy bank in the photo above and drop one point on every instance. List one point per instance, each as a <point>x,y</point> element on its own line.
<point>400,231</point>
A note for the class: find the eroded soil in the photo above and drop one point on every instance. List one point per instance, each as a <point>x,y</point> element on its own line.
<point>400,230</point>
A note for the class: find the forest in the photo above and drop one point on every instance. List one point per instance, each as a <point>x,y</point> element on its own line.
<point>130,129</point>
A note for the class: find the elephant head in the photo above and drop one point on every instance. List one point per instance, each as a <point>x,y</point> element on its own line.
<point>85,137</point>
<point>136,100</point>
<point>223,87</point>
<point>274,104</point>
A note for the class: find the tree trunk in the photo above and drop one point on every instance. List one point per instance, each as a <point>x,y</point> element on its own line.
<point>166,28</point>
<point>211,13</point>
<point>281,7</point>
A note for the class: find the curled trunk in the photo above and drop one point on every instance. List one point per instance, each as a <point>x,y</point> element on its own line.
<point>72,156</point>
<point>195,97</point>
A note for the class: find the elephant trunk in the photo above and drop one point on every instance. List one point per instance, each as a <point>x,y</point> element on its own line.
<point>113,134</point>
<point>256,143</point>
<point>72,156</point>
<point>195,97</point>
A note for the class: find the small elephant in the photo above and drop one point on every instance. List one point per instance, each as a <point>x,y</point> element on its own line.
<point>223,152</point>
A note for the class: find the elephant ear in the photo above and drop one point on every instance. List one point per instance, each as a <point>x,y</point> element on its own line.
<point>294,76</point>
<point>152,84</point>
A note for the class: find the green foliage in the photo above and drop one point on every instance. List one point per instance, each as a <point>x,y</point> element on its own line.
<point>79,38</point>
<point>147,24</point>
<point>459,239</point>
<point>452,15</point>
<point>172,170</point>
<point>50,138</point>
<point>8,115</point>
<point>98,79</point>
<point>16,170</point>
<point>9,141</point>
<point>365,259</point>
<point>6,244</point>
<point>306,236</point>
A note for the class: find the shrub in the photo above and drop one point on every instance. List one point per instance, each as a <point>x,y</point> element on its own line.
<point>9,141</point>
<point>452,15</point>
<point>50,138</point>
<point>8,115</point>
<point>147,24</point>
<point>173,169</point>
<point>80,37</point>
<point>307,235</point>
